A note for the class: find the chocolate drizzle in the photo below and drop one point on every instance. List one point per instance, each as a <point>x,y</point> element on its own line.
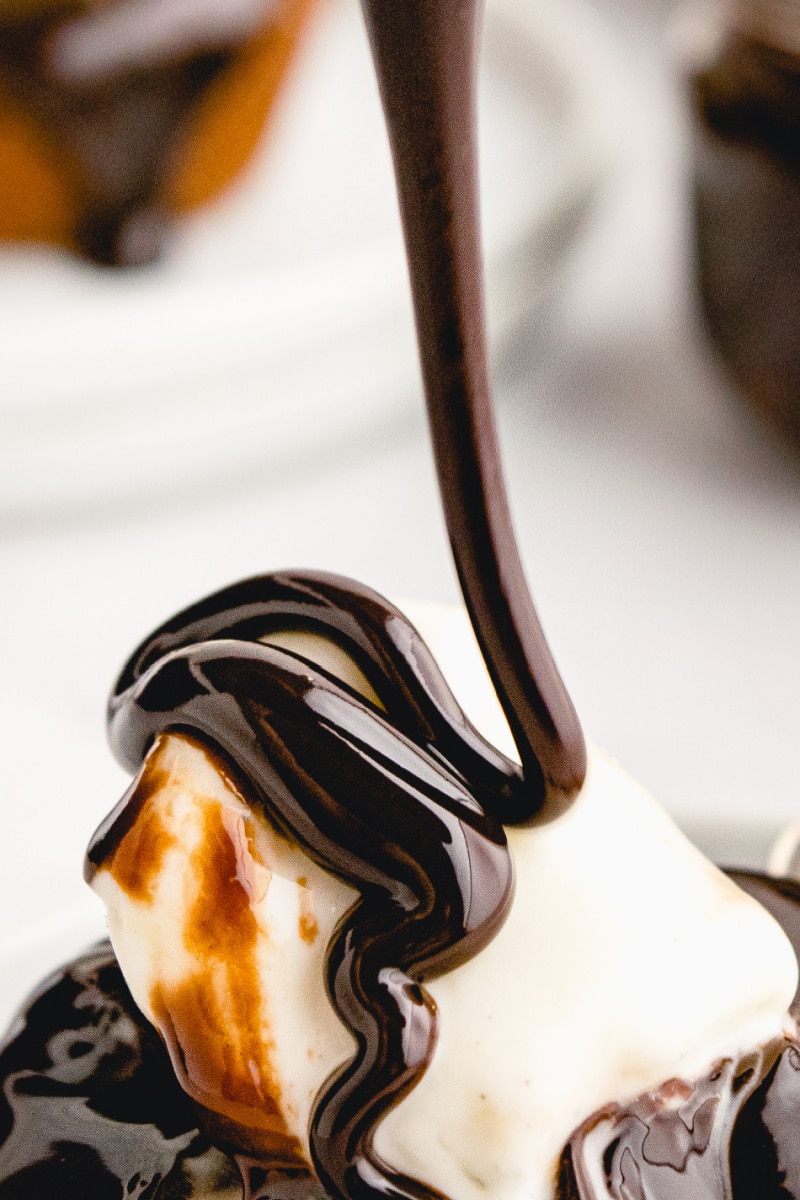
<point>731,1134</point>
<point>90,1110</point>
<point>379,638</point>
<point>403,799</point>
<point>425,54</point>
<point>403,803</point>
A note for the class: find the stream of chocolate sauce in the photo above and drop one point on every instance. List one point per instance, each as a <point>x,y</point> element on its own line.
<point>426,55</point>
<point>406,802</point>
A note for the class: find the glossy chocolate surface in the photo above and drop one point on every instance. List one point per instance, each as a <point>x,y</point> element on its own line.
<point>403,802</point>
<point>116,134</point>
<point>426,60</point>
<point>90,1106</point>
<point>734,1135</point>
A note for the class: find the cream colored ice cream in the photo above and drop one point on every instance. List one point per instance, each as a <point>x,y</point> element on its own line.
<point>619,966</point>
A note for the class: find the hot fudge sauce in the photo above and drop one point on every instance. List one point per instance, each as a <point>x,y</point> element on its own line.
<point>389,789</point>
<point>426,59</point>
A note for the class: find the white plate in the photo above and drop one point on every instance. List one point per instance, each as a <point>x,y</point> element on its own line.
<point>282,317</point>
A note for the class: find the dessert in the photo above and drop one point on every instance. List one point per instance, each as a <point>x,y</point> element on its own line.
<point>487,1114</point>
<point>383,956</point>
<point>116,117</point>
<point>747,203</point>
<point>222,924</point>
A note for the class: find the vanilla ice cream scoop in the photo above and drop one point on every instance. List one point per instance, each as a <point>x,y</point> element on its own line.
<point>618,966</point>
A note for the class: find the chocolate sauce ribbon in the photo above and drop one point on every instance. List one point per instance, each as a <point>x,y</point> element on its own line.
<point>380,639</point>
<point>401,804</point>
<point>425,54</point>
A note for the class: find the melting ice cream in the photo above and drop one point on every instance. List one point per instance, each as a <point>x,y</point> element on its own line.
<point>619,966</point>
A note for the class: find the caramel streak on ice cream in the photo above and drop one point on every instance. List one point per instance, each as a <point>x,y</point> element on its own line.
<point>396,801</point>
<point>208,1015</point>
<point>425,54</point>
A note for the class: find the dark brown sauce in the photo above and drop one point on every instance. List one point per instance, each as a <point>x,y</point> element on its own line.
<point>733,1135</point>
<point>211,1022</point>
<point>406,802</point>
<point>397,801</point>
<point>90,1109</point>
<point>426,54</point>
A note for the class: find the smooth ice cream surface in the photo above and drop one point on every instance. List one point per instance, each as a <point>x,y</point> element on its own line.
<point>626,960</point>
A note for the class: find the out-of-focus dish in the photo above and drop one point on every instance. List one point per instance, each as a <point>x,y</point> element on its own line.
<point>115,118</point>
<point>746,94</point>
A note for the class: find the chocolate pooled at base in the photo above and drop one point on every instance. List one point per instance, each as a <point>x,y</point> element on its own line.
<point>90,1106</point>
<point>734,1135</point>
<point>401,799</point>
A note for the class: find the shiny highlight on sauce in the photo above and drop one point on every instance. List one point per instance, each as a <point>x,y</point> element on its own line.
<point>426,55</point>
<point>401,801</point>
<point>83,1069</point>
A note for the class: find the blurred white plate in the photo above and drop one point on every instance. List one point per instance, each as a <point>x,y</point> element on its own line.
<point>281,318</point>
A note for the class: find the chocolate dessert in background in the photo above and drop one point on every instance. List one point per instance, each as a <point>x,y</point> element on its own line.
<point>116,118</point>
<point>747,204</point>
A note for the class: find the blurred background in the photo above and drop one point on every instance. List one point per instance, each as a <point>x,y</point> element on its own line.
<point>251,401</point>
